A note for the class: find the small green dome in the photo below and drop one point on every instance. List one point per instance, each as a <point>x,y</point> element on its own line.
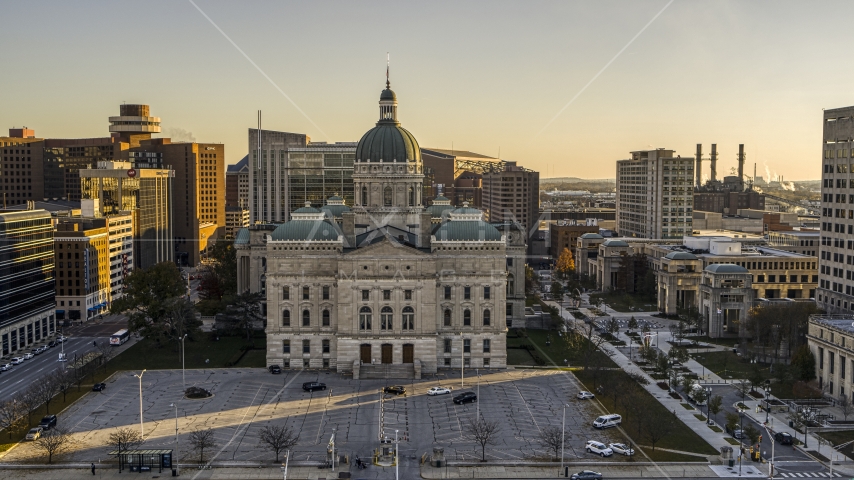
<point>726,268</point>
<point>460,230</point>
<point>388,94</point>
<point>437,211</point>
<point>241,237</point>
<point>592,236</point>
<point>680,256</point>
<point>306,209</point>
<point>615,243</point>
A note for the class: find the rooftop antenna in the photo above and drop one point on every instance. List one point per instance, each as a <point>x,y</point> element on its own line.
<point>387,63</point>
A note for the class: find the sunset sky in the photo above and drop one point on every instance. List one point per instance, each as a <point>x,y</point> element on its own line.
<point>480,76</point>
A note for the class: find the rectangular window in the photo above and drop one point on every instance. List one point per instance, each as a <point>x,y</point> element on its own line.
<point>486,293</point>
<point>286,293</point>
<point>509,261</point>
<point>326,292</point>
<point>306,346</point>
<point>447,345</point>
<point>467,293</point>
<point>447,362</point>
<point>841,367</point>
<point>821,357</point>
<point>831,358</point>
<point>286,346</point>
<point>407,294</point>
<point>486,345</point>
<point>466,345</point>
<point>326,346</point>
<point>485,362</point>
<point>305,293</point>
<point>386,294</point>
<point>447,293</point>
<point>467,362</point>
<point>366,294</point>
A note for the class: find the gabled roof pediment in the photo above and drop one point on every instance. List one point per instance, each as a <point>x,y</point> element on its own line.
<point>386,248</point>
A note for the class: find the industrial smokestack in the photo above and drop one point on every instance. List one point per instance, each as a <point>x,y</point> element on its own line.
<point>714,162</point>
<point>741,163</point>
<point>699,168</point>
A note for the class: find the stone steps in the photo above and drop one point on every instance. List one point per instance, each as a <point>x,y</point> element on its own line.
<point>404,371</point>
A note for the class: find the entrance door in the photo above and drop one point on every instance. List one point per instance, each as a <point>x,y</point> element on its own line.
<point>365,353</point>
<point>386,353</point>
<point>408,353</point>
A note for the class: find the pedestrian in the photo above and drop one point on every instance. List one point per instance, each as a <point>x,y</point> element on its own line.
<point>93,469</point>
<point>95,343</point>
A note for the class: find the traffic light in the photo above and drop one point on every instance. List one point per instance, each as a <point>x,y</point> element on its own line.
<point>760,438</point>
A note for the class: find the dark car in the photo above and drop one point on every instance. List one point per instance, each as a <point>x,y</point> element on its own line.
<point>312,386</point>
<point>48,422</point>
<point>586,475</point>
<point>99,387</point>
<point>51,344</point>
<point>395,389</point>
<point>465,397</point>
<point>784,438</point>
<point>275,369</point>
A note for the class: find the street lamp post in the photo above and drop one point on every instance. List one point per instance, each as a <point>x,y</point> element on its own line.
<point>174,457</point>
<point>740,442</point>
<point>477,373</point>
<point>396,458</point>
<point>183,378</point>
<point>333,450</point>
<point>462,361</point>
<point>285,465</point>
<point>767,404</point>
<point>708,410</point>
<point>562,436</point>
<point>141,429</point>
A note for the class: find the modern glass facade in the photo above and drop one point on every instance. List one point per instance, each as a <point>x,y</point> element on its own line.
<point>318,172</point>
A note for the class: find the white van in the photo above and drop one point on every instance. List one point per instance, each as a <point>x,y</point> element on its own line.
<point>608,421</point>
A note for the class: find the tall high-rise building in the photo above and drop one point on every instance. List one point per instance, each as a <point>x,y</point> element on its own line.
<point>198,191</point>
<point>237,184</point>
<point>836,281</point>
<point>512,194</point>
<point>26,278</point>
<point>292,171</point>
<point>655,195</point>
<point>21,167</point>
<point>146,193</point>
<point>134,124</point>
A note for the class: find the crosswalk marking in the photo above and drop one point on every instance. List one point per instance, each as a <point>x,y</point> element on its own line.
<point>808,475</point>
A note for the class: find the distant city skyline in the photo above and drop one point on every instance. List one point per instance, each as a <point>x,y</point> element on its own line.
<point>484,77</point>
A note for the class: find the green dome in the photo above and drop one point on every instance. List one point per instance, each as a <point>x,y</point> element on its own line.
<point>389,142</point>
<point>305,230</point>
<point>306,210</point>
<point>467,231</point>
<point>726,268</point>
<point>680,256</point>
<point>594,236</point>
<point>615,243</point>
<point>388,94</point>
<point>241,237</point>
<point>436,211</point>
<point>336,210</point>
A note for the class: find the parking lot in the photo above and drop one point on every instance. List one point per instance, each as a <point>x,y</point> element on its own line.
<point>245,400</point>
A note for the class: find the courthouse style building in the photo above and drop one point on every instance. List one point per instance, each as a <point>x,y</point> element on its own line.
<point>384,291</point>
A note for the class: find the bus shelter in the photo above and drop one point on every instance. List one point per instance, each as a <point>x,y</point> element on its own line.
<point>146,460</point>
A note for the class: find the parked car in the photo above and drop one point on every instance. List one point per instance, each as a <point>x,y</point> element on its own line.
<point>622,449</point>
<point>48,422</point>
<point>586,475</point>
<point>275,369</point>
<point>584,396</point>
<point>61,339</point>
<point>52,343</point>
<point>395,390</point>
<point>36,351</point>
<point>783,438</point>
<point>465,397</point>
<point>17,360</point>
<point>438,391</point>
<point>598,448</point>
<point>99,387</point>
<point>5,367</point>
<point>28,356</point>
<point>34,433</point>
<point>312,386</point>
<point>608,421</point>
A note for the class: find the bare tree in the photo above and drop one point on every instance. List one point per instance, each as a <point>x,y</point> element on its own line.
<point>53,442</point>
<point>43,391</point>
<point>63,379</point>
<point>845,406</point>
<point>277,438</point>
<point>743,387</point>
<point>12,416</point>
<point>124,439</point>
<point>552,439</point>
<point>201,440</point>
<point>483,432</point>
<point>107,351</point>
<point>658,423</point>
<point>28,401</point>
<point>583,342</point>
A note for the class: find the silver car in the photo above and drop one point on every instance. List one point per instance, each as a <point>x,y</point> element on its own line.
<point>622,449</point>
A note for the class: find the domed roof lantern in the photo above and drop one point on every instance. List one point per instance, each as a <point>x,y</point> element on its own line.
<point>388,101</point>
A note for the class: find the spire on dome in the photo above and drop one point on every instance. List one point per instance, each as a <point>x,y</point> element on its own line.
<point>387,62</point>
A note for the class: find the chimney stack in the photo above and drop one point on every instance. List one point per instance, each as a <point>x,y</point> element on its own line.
<point>741,163</point>
<point>714,162</point>
<point>699,167</point>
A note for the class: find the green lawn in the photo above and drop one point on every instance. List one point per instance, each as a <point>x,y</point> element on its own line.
<point>518,356</point>
<point>727,364</point>
<point>681,438</point>
<point>217,353</point>
<point>623,302</point>
<point>839,437</point>
<point>785,390</point>
<point>253,359</point>
<point>724,342</point>
<point>558,350</point>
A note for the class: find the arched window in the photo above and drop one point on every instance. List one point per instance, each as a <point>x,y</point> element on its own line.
<point>467,317</point>
<point>411,197</point>
<point>388,196</point>
<point>510,284</point>
<point>286,318</point>
<point>306,318</point>
<point>447,318</point>
<point>386,315</point>
<point>487,318</point>
<point>408,318</point>
<point>364,196</point>
<point>364,318</point>
<point>326,318</point>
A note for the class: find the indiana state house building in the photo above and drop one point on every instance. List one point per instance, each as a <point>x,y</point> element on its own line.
<point>382,288</point>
